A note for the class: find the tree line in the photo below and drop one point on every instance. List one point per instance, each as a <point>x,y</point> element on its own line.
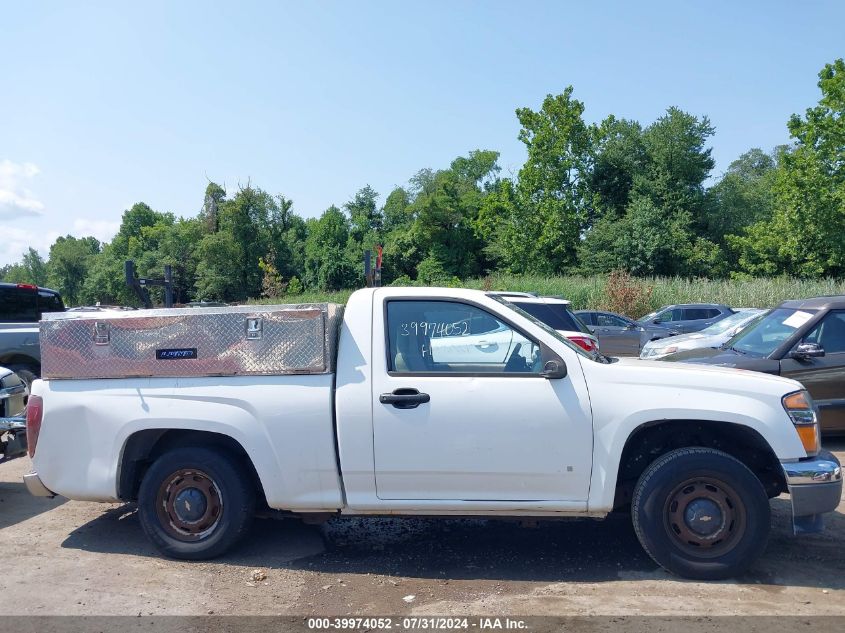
<point>590,198</point>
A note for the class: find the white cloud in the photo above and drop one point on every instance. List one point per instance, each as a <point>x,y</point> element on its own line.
<point>103,230</point>
<point>15,199</point>
<point>16,241</point>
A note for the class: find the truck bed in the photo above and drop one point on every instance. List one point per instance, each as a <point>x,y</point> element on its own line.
<point>284,423</point>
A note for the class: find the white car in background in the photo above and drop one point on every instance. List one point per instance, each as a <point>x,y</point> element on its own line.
<point>714,336</point>
<point>557,314</point>
<point>488,340</point>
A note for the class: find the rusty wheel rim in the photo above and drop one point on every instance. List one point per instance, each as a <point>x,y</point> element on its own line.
<point>189,504</point>
<point>705,517</point>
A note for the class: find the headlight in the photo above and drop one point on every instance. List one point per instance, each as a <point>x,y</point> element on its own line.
<point>799,407</point>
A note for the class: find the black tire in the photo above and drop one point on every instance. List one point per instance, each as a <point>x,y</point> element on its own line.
<point>213,481</point>
<point>678,496</point>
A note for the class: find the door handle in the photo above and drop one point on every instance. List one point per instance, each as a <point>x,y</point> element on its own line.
<point>483,344</point>
<point>404,398</point>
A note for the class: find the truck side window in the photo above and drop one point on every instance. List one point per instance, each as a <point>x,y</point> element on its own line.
<point>446,336</point>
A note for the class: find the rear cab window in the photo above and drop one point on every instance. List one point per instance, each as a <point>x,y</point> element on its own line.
<point>26,304</point>
<point>18,305</point>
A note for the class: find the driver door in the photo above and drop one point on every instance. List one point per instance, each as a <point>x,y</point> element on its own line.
<point>490,428</point>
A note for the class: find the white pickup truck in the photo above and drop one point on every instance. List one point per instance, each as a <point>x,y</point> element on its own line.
<point>536,427</point>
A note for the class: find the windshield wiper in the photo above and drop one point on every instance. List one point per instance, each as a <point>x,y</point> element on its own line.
<point>738,351</point>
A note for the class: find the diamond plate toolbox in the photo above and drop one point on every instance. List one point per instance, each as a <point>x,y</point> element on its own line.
<point>227,341</point>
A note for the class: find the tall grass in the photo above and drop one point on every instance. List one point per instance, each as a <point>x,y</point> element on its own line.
<point>589,292</point>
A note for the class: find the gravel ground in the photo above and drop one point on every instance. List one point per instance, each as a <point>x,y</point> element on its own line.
<point>69,557</point>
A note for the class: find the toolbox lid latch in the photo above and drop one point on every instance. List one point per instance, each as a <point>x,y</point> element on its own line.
<point>102,333</point>
<point>254,327</point>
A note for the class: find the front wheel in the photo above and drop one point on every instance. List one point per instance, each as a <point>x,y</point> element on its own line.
<point>701,514</point>
<point>195,503</point>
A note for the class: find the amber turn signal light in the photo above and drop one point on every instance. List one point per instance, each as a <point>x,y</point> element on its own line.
<point>799,407</point>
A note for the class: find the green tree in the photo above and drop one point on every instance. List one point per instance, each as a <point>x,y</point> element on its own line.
<point>620,161</point>
<point>134,240</point>
<point>744,195</point>
<point>806,235</point>
<point>445,213</point>
<point>395,210</point>
<point>553,188</point>
<point>326,264</point>
<point>27,271</point>
<point>649,196</point>
<point>216,254</point>
<point>535,224</point>
<point>36,266</point>
<point>70,261</point>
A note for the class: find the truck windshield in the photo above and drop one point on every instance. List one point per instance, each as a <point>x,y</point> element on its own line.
<point>550,330</point>
<point>770,332</point>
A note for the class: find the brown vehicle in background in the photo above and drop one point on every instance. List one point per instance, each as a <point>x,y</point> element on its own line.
<point>801,339</point>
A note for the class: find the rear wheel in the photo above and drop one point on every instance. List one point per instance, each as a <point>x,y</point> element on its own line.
<point>196,503</point>
<point>701,514</point>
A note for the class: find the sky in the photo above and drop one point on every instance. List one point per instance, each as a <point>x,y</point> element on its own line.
<point>104,104</point>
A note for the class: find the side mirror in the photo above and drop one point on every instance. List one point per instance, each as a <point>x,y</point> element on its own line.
<point>805,351</point>
<point>553,370</point>
<point>630,326</point>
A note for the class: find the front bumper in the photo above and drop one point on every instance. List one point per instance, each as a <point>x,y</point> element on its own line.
<point>815,486</point>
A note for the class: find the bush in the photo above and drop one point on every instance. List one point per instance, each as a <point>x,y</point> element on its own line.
<point>295,286</point>
<point>626,295</point>
<point>402,280</point>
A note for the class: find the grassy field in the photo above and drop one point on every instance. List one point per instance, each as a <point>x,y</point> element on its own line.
<point>589,292</point>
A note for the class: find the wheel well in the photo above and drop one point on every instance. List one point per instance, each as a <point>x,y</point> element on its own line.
<point>144,447</point>
<point>20,359</point>
<point>651,440</point>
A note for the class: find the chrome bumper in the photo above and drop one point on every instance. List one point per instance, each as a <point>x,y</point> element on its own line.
<point>815,486</point>
<point>17,423</point>
<point>36,487</point>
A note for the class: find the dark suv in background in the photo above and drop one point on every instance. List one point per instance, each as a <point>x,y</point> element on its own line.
<point>21,307</point>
